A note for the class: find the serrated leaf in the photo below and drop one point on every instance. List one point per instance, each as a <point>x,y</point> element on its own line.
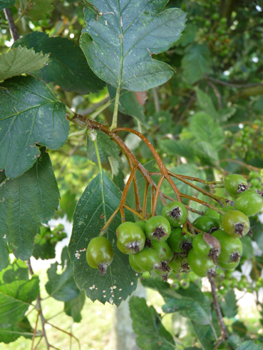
<point>128,104</point>
<point>229,305</point>
<point>120,37</point>
<point>6,3</point>
<point>204,128</point>
<point>19,61</point>
<point>206,104</point>
<point>196,62</point>
<point>74,306</point>
<point>28,200</point>
<point>250,345</point>
<point>148,326</point>
<point>15,299</point>
<point>206,152</point>
<point>226,113</point>
<point>13,332</point>
<point>36,9</point>
<point>98,202</point>
<point>62,286</point>
<point>67,65</point>
<point>239,328</point>
<point>30,114</point>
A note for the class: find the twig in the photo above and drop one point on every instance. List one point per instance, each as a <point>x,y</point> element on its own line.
<point>224,334</point>
<point>217,93</point>
<point>62,330</point>
<point>220,82</point>
<point>11,24</point>
<point>250,167</point>
<point>157,195</point>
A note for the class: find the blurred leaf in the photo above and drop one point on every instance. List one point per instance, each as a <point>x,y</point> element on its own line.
<point>23,210</point>
<point>13,332</point>
<point>6,3</point>
<point>206,104</point>
<point>229,305</point>
<point>68,204</point>
<point>15,298</point>
<point>43,249</point>
<point>196,62</point>
<point>62,286</point>
<point>67,66</point>
<point>248,251</point>
<point>74,306</point>
<point>37,9</point>
<point>239,328</point>
<point>128,104</point>
<point>205,335</point>
<point>206,152</point>
<point>18,270</point>
<point>30,114</point>
<point>119,48</point>
<point>234,340</point>
<point>188,35</point>
<point>250,345</point>
<point>206,129</point>
<point>177,148</point>
<point>226,113</point>
<point>147,324</point>
<point>98,202</point>
<point>19,61</point>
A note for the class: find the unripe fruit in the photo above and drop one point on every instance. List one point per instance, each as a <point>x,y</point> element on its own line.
<point>206,246</point>
<point>201,266</point>
<point>176,213</point>
<point>235,223</point>
<point>249,202</point>
<point>179,265</point>
<point>179,243</point>
<point>99,254</point>
<point>158,228</point>
<point>231,250</point>
<point>235,184</point>
<point>207,224</point>
<point>133,264</point>
<point>130,238</point>
<point>147,259</point>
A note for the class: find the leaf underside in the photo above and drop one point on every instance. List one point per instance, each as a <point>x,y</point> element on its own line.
<point>19,61</point>
<point>120,37</point>
<point>30,113</point>
<point>97,203</point>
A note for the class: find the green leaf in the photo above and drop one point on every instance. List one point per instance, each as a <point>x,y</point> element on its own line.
<point>205,336</point>
<point>6,3</point>
<point>37,9</point>
<point>204,128</point>
<point>4,252</point>
<point>108,151</point>
<point>177,148</point>
<point>28,200</point>
<point>68,203</point>
<point>98,202</point>
<point>234,340</point>
<point>196,62</point>
<point>248,251</point>
<point>18,270</point>
<point>15,299</point>
<point>13,332</point>
<point>229,305</point>
<point>250,345</point>
<point>206,152</point>
<point>61,287</point>
<point>239,328</point>
<point>206,104</point>
<point>120,38</point>
<point>74,306</point>
<point>128,104</point>
<point>19,61</point>
<point>226,113</point>
<point>43,249</point>
<point>67,65</point>
<point>148,326</point>
<point>30,114</point>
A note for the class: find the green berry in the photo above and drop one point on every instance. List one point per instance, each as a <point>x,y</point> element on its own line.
<point>175,213</point>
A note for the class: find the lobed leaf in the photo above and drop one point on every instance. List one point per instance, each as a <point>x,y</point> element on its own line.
<point>26,202</point>
<point>121,36</point>
<point>20,60</point>
<point>99,200</point>
<point>67,65</point>
<point>30,114</point>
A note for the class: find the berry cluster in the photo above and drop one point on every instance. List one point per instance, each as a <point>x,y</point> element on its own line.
<point>165,245</point>
<point>54,236</point>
